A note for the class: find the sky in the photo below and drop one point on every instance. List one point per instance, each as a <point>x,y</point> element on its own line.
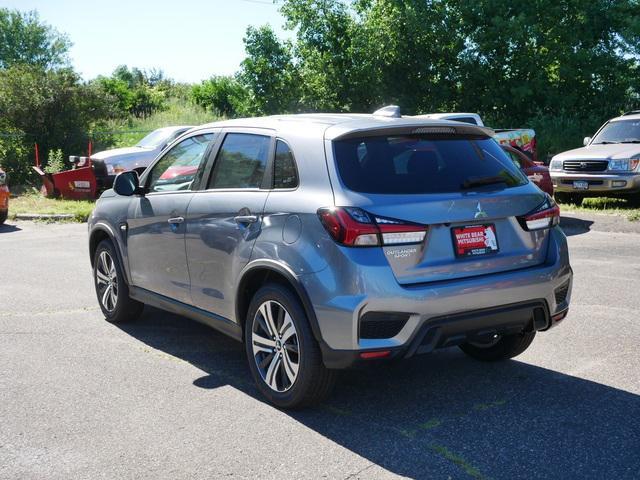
<point>190,40</point>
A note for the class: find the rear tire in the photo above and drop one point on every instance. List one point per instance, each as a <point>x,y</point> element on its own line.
<point>506,347</point>
<point>111,288</point>
<point>286,364</point>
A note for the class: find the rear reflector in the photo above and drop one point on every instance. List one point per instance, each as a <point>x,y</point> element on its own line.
<point>354,227</point>
<point>547,215</point>
<point>560,316</point>
<point>371,355</point>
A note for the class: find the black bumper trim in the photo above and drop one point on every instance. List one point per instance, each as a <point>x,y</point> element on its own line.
<point>449,330</point>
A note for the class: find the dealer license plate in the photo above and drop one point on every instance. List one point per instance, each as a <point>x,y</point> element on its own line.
<point>474,240</point>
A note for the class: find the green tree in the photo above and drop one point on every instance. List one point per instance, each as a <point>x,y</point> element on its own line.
<point>551,64</point>
<point>25,40</point>
<point>15,154</point>
<point>357,56</point>
<point>136,92</point>
<point>53,108</point>
<point>268,73</point>
<point>221,95</point>
<point>409,51</point>
<point>327,56</point>
<point>545,57</point>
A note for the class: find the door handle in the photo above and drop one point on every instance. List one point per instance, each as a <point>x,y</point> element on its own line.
<point>176,220</point>
<point>246,218</point>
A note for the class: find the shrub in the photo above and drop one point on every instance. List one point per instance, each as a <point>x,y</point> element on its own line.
<point>15,155</point>
<point>55,162</point>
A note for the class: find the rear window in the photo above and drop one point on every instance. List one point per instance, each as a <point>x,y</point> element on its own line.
<point>419,164</point>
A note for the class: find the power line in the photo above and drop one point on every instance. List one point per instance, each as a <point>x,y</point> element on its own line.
<point>260,2</point>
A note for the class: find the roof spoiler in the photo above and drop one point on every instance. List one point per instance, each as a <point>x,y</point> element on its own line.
<point>411,128</point>
<point>631,112</point>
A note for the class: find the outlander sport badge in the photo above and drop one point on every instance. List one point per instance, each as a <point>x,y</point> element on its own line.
<point>480,213</point>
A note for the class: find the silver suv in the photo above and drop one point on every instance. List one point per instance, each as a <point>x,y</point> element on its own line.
<point>325,241</point>
<point>608,164</point>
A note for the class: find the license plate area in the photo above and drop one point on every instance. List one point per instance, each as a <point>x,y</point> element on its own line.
<point>581,185</point>
<point>474,240</point>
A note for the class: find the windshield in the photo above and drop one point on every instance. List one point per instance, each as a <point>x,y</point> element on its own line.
<point>621,131</point>
<point>419,164</point>
<point>155,138</point>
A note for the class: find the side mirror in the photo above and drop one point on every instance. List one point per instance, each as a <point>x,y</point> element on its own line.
<point>127,184</point>
<point>586,141</point>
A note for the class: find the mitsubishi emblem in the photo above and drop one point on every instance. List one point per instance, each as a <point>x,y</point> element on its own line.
<point>480,213</point>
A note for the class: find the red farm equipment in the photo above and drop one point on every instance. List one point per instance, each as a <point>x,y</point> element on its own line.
<point>79,183</point>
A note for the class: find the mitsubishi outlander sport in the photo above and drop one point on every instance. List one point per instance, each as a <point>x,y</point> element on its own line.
<point>326,241</point>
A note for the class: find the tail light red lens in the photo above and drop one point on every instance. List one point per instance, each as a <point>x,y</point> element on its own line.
<point>547,215</point>
<point>354,227</point>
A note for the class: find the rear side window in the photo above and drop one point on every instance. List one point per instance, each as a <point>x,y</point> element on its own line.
<point>419,164</point>
<point>285,173</point>
<point>241,161</point>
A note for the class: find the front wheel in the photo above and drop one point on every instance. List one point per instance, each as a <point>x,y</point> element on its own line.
<point>111,288</point>
<point>499,348</point>
<point>284,357</point>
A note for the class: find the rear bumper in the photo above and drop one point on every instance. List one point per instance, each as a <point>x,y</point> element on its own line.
<point>439,313</point>
<point>622,183</point>
<point>451,330</point>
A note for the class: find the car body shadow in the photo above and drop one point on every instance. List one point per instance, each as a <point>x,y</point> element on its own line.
<point>442,415</point>
<point>574,226</point>
<point>8,228</point>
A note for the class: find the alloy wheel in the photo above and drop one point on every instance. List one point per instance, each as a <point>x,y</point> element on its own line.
<point>276,350</point>
<point>107,281</point>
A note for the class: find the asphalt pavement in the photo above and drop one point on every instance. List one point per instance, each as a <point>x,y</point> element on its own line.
<point>167,398</point>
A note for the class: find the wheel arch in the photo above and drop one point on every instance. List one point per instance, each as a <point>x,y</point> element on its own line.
<point>104,232</point>
<point>260,272</point>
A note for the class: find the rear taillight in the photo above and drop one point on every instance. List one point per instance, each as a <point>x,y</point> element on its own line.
<point>354,227</point>
<point>547,215</point>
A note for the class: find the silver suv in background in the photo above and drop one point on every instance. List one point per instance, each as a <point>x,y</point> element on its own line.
<point>608,164</point>
<point>324,241</point>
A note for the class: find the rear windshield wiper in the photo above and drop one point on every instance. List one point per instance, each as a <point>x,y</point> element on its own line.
<point>477,182</point>
<point>631,141</point>
<point>605,143</point>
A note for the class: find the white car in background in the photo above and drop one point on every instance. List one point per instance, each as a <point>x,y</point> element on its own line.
<point>608,164</point>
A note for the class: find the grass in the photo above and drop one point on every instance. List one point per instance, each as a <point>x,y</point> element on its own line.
<point>36,203</point>
<point>611,206</point>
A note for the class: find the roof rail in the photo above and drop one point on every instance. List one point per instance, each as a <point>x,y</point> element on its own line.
<point>392,111</point>
<point>631,112</point>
